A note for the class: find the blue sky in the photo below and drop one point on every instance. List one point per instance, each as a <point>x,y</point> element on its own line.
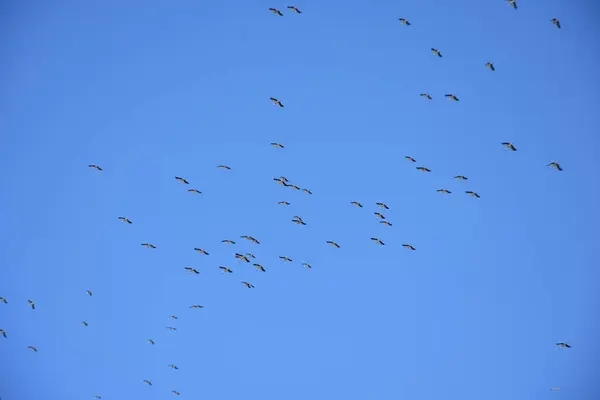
<point>154,90</point>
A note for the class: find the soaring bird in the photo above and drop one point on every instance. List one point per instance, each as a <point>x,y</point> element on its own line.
<point>224,167</point>
<point>306,191</point>
<point>284,258</point>
<point>490,65</point>
<point>196,191</point>
<point>562,344</point>
<point>307,265</point>
<point>283,178</point>
<point>193,270</point>
<point>408,246</point>
<point>276,11</point>
<point>378,241</point>
<point>555,22</point>
<point>3,332</point>
<point>276,102</point>
<point>147,382</point>
<point>426,95</point>
<point>171,328</point>
<point>404,21</point>
<point>32,348</point>
<point>250,238</point>
<point>241,257</point>
<point>2,299</point>
<point>148,245</point>
<point>88,292</point>
<point>299,221</point>
<point>382,205</point>
<point>225,269</point>
<point>180,179</point>
<point>436,52</point>
<point>294,9</point>
<point>150,341</point>
<point>278,145</point>
<point>471,193</point>
<point>512,3</point>
<point>31,304</point>
<point>445,191</point>
<point>554,165</point>
<point>294,187</point>
<point>509,146</point>
<point>356,203</point>
<point>334,244</point>
<point>280,181</point>
<point>84,323</point>
<point>95,167</point>
<point>173,317</point>
<point>409,158</point>
<point>250,255</point>
<point>385,223</point>
<point>379,215</point>
<point>175,392</point>
<point>283,203</point>
<point>248,285</point>
<point>127,220</point>
<point>228,241</point>
<point>451,97</point>
<point>461,177</point>
<point>97,397</point>
<point>173,366</point>
<point>423,169</point>
<point>259,267</point>
<point>201,251</point>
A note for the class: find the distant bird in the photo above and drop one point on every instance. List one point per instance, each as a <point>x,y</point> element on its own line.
<point>445,191</point>
<point>228,241</point>
<point>334,244</point>
<point>461,177</point>
<point>84,323</point>
<point>171,328</point>
<point>554,389</point>
<point>294,187</point>
<point>276,11</point>
<point>173,317</point>
<point>2,299</point>
<point>509,146</point>
<point>409,158</point>
<point>147,382</point>
<point>259,267</point>
<point>283,258</point>
<point>276,102</point>
<point>32,348</point>
<point>562,344</point>
<point>250,255</point>
<point>225,269</point>
<point>556,22</point>
<point>88,292</point>
<point>382,205</point>
<point>283,178</point>
<point>470,193</point>
<point>284,203</point>
<point>555,166</point>
<point>31,304</point>
<point>306,191</point>
<point>426,95</point>
<point>356,203</point>
<point>280,181</point>
<point>250,238</point>
<point>423,169</point>
<point>248,285</point>
<point>180,179</point>
<point>379,215</point>
<point>278,145</point>
<point>97,397</point>
<point>224,167</point>
<point>299,221</point>
<point>150,341</point>
<point>307,265</point>
<point>127,220</point>
<point>202,251</point>
<point>241,257</point>
<point>378,241</point>
<point>512,3</point>
<point>148,245</point>
<point>408,246</point>
<point>196,191</point>
<point>436,52</point>
<point>172,366</point>
<point>404,21</point>
<point>175,392</point>
<point>294,9</point>
<point>451,97</point>
<point>95,167</point>
<point>385,223</point>
<point>3,332</point>
<point>490,65</point>
<point>196,306</point>
<point>193,270</point>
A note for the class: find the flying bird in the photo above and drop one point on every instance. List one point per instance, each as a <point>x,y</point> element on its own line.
<point>276,11</point>
<point>196,191</point>
<point>259,267</point>
<point>294,187</point>
<point>2,299</point>
<point>283,178</point>
<point>31,304</point>
<point>175,392</point>
<point>248,285</point>
<point>84,323</point>
<point>150,341</point>
<point>127,220</point>
<point>554,165</point>
<point>148,245</point>
<point>436,52</point>
<point>409,158</point>
<point>378,241</point>
<point>509,146</point>
<point>172,366</point>
<point>147,382</point>
<point>385,223</point>
<point>97,397</point>
<point>276,102</point>
<point>306,191</point>
<point>555,22</point>
<point>382,205</point>
<point>280,181</point>
<point>379,215</point>
<point>224,167</point>
<point>241,257</point>
<point>334,244</point>
<point>88,292</point>
<point>284,203</point>
<point>173,317</point>
<point>95,167</point>
<point>250,255</point>
<point>180,179</point>
<point>404,21</point>
<point>278,145</point>
<point>356,203</point>
<point>512,3</point>
<point>196,306</point>
<point>299,221</point>
<point>423,169</point>
<point>470,193</point>
<point>32,348</point>
<point>3,332</point>
<point>451,97</point>
<point>490,65</point>
<point>193,270</point>
<point>171,328</point>
<point>445,191</point>
<point>408,246</point>
<point>426,95</point>
<point>250,238</point>
<point>225,269</point>
<point>201,251</point>
<point>294,9</point>
<point>228,241</point>
<point>307,265</point>
<point>461,177</point>
<point>283,258</point>
<point>562,344</point>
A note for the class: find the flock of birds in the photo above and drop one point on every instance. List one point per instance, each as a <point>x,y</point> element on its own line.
<point>249,258</point>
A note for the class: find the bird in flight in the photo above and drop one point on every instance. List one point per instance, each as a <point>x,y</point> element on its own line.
<point>409,158</point>
<point>150,341</point>
<point>378,241</point>
<point>382,205</point>
<point>250,255</point>
<point>84,323</point>
<point>294,9</point>
<point>509,146</point>
<point>175,392</point>
<point>147,382</point>
<point>356,203</point>
<point>276,102</point>
<point>171,328</point>
<point>250,238</point>
<point>306,191</point>
<point>278,145</point>
<point>334,244</point>
<point>259,267</point>
<point>225,269</point>
<point>202,251</point>
<point>248,285</point>
<point>490,65</point>
<point>126,220</point>
<point>451,97</point>
<point>554,165</point>
<point>404,21</point>
<point>148,245</point>
<point>196,306</point>
<point>445,191</point>
<point>284,258</point>
<point>276,11</point>
<point>423,169</point>
<point>427,96</point>
<point>436,52</point>
<point>379,215</point>
<point>562,344</point>
<point>242,257</point>
<point>555,22</point>
<point>512,3</point>
<point>228,241</point>
<point>307,265</point>
<point>196,191</point>
<point>98,397</point>
<point>173,366</point>
<point>192,270</point>
<point>88,292</point>
<point>180,179</point>
<point>294,187</point>
<point>32,348</point>
<point>470,193</point>
<point>173,317</point>
<point>284,203</point>
<point>31,304</point>
<point>95,167</point>
<point>385,223</point>
<point>224,167</point>
<point>299,221</point>
<point>3,332</point>
<point>408,246</point>
<point>2,299</point>
<point>461,177</point>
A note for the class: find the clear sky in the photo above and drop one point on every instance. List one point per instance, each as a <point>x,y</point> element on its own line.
<point>150,90</point>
